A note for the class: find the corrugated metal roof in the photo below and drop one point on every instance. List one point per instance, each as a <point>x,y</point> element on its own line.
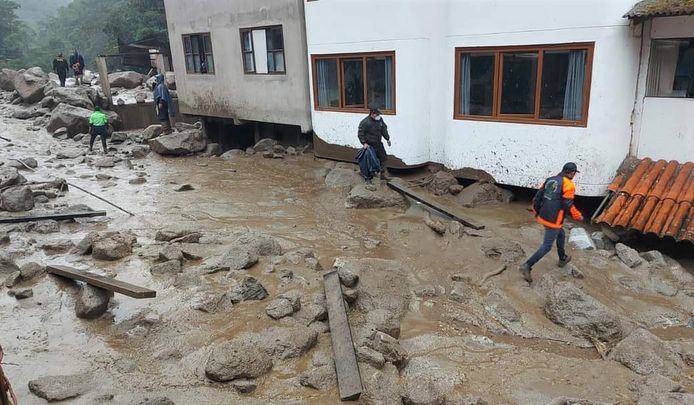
<point>653,197</point>
<point>660,8</point>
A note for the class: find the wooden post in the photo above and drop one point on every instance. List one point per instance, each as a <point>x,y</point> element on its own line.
<point>159,63</point>
<point>102,67</point>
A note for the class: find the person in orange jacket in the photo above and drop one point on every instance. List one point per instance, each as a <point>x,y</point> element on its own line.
<point>551,204</point>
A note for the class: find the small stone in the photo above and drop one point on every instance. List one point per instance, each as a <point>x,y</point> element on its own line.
<point>170,252</point>
<point>137,180</point>
<point>294,297</point>
<point>170,267</point>
<point>629,256</point>
<point>60,388</point>
<point>460,277</point>
<point>279,308</point>
<point>184,187</point>
<point>457,293</point>
<point>321,359</point>
<point>455,189</point>
<point>435,225</point>
<point>574,271</point>
<point>348,278</point>
<point>654,257</point>
<point>244,386</point>
<point>429,291</point>
<point>21,294</point>
<point>92,302</point>
<point>321,378</point>
<point>371,357</point>
<point>105,162</point>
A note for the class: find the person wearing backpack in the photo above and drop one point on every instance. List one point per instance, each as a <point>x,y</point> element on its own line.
<point>552,202</point>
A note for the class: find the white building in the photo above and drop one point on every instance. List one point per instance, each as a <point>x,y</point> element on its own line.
<point>512,88</point>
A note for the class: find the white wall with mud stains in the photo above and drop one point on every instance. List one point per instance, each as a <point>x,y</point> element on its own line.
<point>424,35</point>
<point>229,92</point>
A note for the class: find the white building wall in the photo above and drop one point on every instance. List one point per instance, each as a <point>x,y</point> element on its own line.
<point>664,127</point>
<point>424,35</point>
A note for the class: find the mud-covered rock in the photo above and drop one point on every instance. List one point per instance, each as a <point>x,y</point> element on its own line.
<point>113,245</point>
<point>92,302</point>
<point>17,199</point>
<point>237,358</point>
<point>644,353</point>
<point>13,279</point>
<point>279,308</point>
<point>43,227</point>
<point>381,387</point>
<point>30,85</point>
<point>213,149</point>
<point>179,143</point>
<point>76,119</point>
<point>384,321</point>
<point>371,357</point>
<point>60,388</point>
<point>629,256</point>
<point>7,266</point>
<point>21,293</point>
<point>170,252</point>
<point>260,244</point>
<point>655,258</point>
<point>212,302</point>
<point>119,137</point>
<point>319,378</point>
<point>139,151</point>
<point>151,132</point>
<point>31,270</point>
<point>7,79</point>
<point>238,257</point>
<point>385,344</point>
<point>126,80</point>
<point>248,289</point>
<point>168,267</point>
<point>568,306</point>
<point>74,96</point>
<point>285,343</point>
<point>169,234</point>
<point>505,250</point>
<point>483,194</point>
<point>430,381</point>
<point>380,196</point>
<point>340,177</point>
<point>264,145</point>
<point>9,176</point>
<point>105,162</point>
<point>442,182</point>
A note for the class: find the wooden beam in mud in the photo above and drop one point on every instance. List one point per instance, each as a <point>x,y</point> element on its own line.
<point>401,188</point>
<point>100,281</point>
<point>348,377</point>
<point>57,217</point>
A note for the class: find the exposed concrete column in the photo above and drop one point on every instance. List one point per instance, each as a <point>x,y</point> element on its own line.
<point>159,63</point>
<point>102,67</point>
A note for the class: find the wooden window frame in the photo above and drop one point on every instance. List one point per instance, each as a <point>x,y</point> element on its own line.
<point>243,31</point>
<point>340,57</point>
<point>534,118</point>
<point>202,52</point>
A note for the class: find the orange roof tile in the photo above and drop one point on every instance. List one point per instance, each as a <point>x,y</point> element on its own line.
<point>653,197</point>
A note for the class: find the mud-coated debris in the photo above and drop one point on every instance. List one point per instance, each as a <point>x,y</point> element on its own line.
<point>43,227</point>
<point>105,162</point>
<point>435,225</point>
<point>456,228</point>
<point>84,247</point>
<point>285,343</point>
<point>654,383</point>
<point>441,183</point>
<point>279,308</point>
<point>384,321</point>
<point>154,401</point>
<point>371,357</point>
<point>387,345</point>
<point>458,292</point>
<point>311,313</point>
<point>244,386</point>
<point>168,267</point>
<point>184,187</point>
<point>57,247</point>
<point>13,279</point>
<point>59,388</point>
<point>248,289</point>
<point>363,196</point>
<point>17,199</point>
<point>339,178</point>
<point>238,257</point>
<point>169,234</point>
<point>429,291</point>
<point>21,293</point>
<point>655,258</point>
<point>505,250</point>
<point>574,271</point>
<point>113,245</point>
<point>265,144</point>
<point>139,151</point>
<point>644,353</point>
<point>31,270</point>
<point>294,298</point>
<point>238,358</point>
<point>179,143</point>
<point>629,256</point>
<point>92,302</point>
<point>212,302</point>
<point>349,276</point>
<point>170,252</point>
<point>484,194</point>
<point>381,386</point>
<point>69,153</point>
<point>427,380</point>
<point>9,176</point>
<point>22,164</point>
<point>583,315</point>
<point>319,378</point>
<point>7,266</point>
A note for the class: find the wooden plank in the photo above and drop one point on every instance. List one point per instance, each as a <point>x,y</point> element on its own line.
<point>57,217</point>
<point>348,377</point>
<point>100,281</point>
<point>399,187</point>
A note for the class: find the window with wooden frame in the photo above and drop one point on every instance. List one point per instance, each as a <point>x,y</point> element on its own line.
<point>540,84</point>
<point>198,52</point>
<point>353,82</point>
<point>262,50</point>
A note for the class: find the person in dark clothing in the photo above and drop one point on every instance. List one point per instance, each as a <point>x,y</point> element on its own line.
<point>371,130</point>
<point>551,204</point>
<point>77,65</point>
<point>163,104</point>
<point>98,126</point>
<point>60,67</point>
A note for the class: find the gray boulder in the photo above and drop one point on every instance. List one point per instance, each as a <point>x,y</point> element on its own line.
<point>76,119</point>
<point>381,387</point>
<point>265,144</point>
<point>381,196</point>
<point>7,266</point>
<point>30,85</point>
<point>126,80</point>
<point>151,132</point>
<point>74,96</point>
<point>644,353</point>
<point>237,358</point>
<point>238,257</point>
<point>385,344</point>
<point>140,151</point>
<point>248,289</point>
<point>341,177</point>
<point>59,388</point>
<point>9,176</point>
<point>112,246</point>
<point>319,378</point>
<point>168,267</point>
<point>92,302</point>
<point>279,308</point>
<point>384,321</point>
<point>442,182</point>
<point>119,137</point>
<point>629,256</point>
<point>431,381</point>
<point>286,343</point>
<point>7,79</point>
<point>179,143</point>
<point>260,244</point>
<point>17,199</point>
<point>213,149</point>
<point>31,270</point>
<point>484,194</point>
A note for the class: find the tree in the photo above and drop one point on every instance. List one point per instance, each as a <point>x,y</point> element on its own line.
<point>12,34</point>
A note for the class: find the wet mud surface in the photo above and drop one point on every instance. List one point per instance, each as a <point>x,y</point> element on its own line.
<point>158,347</point>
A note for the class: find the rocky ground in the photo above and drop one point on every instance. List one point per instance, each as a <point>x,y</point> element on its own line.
<point>236,246</point>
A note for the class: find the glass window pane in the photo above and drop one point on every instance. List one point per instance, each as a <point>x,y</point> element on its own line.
<point>247,41</point>
<point>274,38</point>
<point>195,42</point>
<point>326,83</point>
<point>518,83</point>
<point>270,62</point>
<point>379,76</point>
<point>208,44</point>
<point>353,74</point>
<point>476,84</point>
<point>563,79</point>
<point>186,44</point>
<point>190,64</point>
<point>210,63</point>
<point>279,61</point>
<point>248,62</point>
<point>671,70</point>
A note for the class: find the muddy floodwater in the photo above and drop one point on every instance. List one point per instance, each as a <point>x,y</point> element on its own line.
<point>145,348</point>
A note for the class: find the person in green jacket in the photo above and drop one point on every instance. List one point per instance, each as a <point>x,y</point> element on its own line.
<point>98,126</point>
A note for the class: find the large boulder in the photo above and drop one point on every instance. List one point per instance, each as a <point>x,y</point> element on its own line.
<point>74,96</point>
<point>179,143</point>
<point>237,358</point>
<point>381,196</point>
<point>30,85</point>
<point>127,80</point>
<point>264,145</point>
<point>76,119</point>
<point>341,177</point>
<point>112,245</point>
<point>568,306</point>
<point>92,302</point>
<point>16,199</point>
<point>285,343</point>
<point>7,79</point>
<point>431,381</point>
<point>9,176</point>
<point>483,194</point>
<point>644,353</point>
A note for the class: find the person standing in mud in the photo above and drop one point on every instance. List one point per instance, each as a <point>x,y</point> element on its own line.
<point>77,65</point>
<point>98,126</point>
<point>60,67</point>
<point>371,130</point>
<point>551,204</point>
<point>163,104</point>
<point>5,386</point>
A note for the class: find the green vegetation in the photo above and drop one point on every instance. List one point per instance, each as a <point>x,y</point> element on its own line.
<point>93,26</point>
<point>33,12</point>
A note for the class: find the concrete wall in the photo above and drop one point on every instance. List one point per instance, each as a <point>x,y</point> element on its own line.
<point>229,92</point>
<point>663,127</point>
<point>424,35</point>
